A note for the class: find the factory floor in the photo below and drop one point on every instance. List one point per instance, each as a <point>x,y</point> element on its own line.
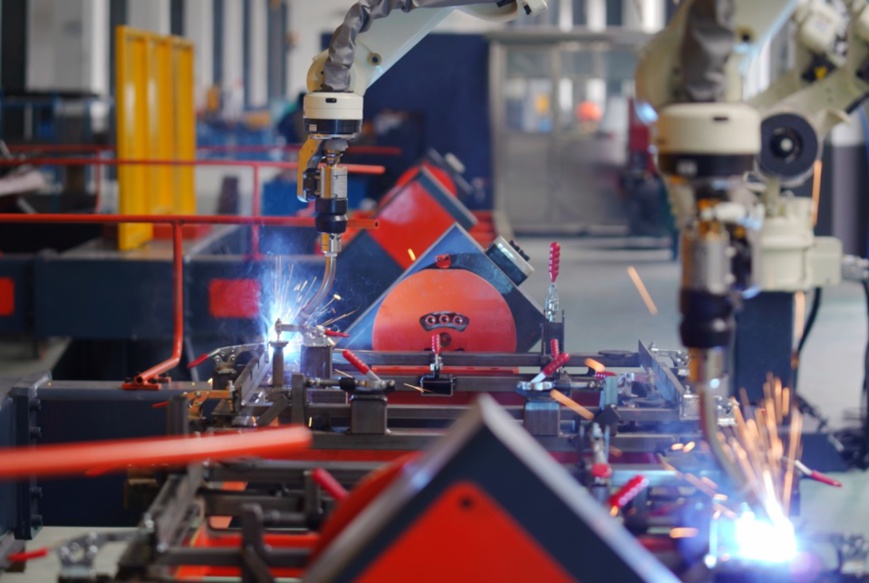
<point>605,311</point>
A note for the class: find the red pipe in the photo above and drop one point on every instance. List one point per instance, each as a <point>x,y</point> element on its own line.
<point>77,458</point>
<point>144,380</point>
<point>352,168</point>
<point>372,150</point>
<point>328,482</point>
<point>177,219</point>
<point>90,148</point>
<point>361,150</point>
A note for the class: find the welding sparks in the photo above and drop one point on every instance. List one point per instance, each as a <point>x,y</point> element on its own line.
<point>412,254</point>
<point>816,190</point>
<point>689,447</point>
<point>594,365</point>
<point>767,466</point>
<point>677,446</point>
<point>641,288</point>
<point>338,319</point>
<point>415,388</point>
<point>572,405</point>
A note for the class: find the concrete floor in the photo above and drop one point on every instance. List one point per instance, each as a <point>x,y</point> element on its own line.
<point>604,311</point>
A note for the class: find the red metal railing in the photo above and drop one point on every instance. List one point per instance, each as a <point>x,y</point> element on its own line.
<point>151,378</point>
<point>241,148</point>
<point>255,165</point>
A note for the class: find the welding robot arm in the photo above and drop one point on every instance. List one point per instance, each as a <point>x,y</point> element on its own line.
<point>830,78</point>
<point>707,140</point>
<point>360,52</point>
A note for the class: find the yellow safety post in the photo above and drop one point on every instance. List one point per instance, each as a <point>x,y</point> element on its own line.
<point>155,121</point>
<point>185,126</point>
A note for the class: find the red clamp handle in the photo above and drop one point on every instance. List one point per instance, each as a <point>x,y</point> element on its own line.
<point>27,555</point>
<point>601,471</point>
<point>554,348</point>
<point>356,362</point>
<point>628,492</point>
<point>554,261</point>
<point>436,344</point>
<point>824,479</point>
<point>556,364</point>
<point>336,334</point>
<point>198,361</point>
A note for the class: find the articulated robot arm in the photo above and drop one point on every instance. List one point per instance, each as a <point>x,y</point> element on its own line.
<point>706,48</point>
<point>359,54</point>
<point>708,140</point>
<point>830,79</point>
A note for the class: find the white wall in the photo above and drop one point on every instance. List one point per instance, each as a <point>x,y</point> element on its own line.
<point>258,41</point>
<point>199,28</point>
<point>308,21</point>
<point>68,45</point>
<point>153,15</point>
<point>233,55</point>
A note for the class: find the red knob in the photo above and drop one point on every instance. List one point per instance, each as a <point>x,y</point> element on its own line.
<point>629,491</point>
<point>554,261</point>
<point>436,344</point>
<point>553,347</point>
<point>824,479</point>
<point>602,471</point>
<point>556,364</point>
<point>356,361</point>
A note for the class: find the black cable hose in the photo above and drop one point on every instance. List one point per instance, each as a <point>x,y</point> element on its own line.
<point>864,446</point>
<point>810,322</point>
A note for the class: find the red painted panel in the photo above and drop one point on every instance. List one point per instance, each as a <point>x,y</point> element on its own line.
<point>477,541</point>
<point>7,296</point>
<point>465,309</point>
<point>413,220</point>
<point>234,298</point>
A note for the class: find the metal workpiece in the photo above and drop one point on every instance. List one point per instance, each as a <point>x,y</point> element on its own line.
<point>529,388</point>
<point>278,362</point>
<point>609,358</point>
<point>368,414</point>
<point>663,378</point>
<point>298,399</point>
<point>160,542</point>
<point>542,416</point>
<point>316,361</point>
<point>78,556</point>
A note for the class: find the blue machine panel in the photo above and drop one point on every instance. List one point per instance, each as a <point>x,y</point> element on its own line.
<point>102,297</point>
